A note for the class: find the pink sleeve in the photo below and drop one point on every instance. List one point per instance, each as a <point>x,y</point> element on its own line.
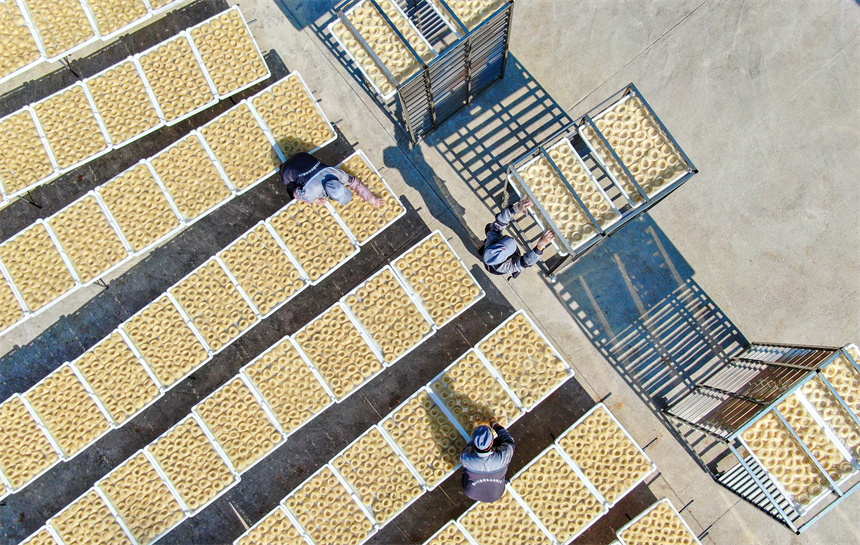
<point>362,190</point>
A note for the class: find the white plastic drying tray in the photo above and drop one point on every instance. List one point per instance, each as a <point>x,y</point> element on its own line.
<point>173,5</point>
<point>115,510</point>
<point>103,404</point>
<point>72,50</point>
<point>3,477</point>
<point>44,139</point>
<point>295,519</point>
<point>184,219</point>
<point>364,336</point>
<point>456,524</point>
<point>423,390</point>
<point>360,153</point>
<point>67,258</point>
<point>109,144</point>
<point>54,442</point>
<point>185,315</point>
<point>181,35</point>
<point>139,353</point>
<point>410,288</point>
<point>524,314</point>
<point>221,168</point>
<point>314,372</point>
<point>36,39</point>
<point>283,247</point>
<point>53,533</point>
<point>166,236</point>
<point>268,129</point>
<point>641,451</point>
<point>493,374</point>
<point>56,531</point>
<point>236,477</point>
<point>522,504</point>
<point>253,40</point>
<point>604,506</point>
<point>400,455</point>
<point>113,34</point>
<point>259,399</point>
<point>366,329</point>
<point>289,516</point>
<point>639,517</point>
<point>367,78</point>
<point>149,92</point>
<point>341,224</point>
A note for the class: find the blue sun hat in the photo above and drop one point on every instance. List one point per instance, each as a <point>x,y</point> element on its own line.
<point>482,438</point>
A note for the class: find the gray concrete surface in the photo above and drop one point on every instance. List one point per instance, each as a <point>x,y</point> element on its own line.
<point>762,244</point>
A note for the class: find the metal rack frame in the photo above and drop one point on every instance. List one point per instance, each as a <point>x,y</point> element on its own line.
<point>732,399</point>
<point>600,173</point>
<point>475,60</point>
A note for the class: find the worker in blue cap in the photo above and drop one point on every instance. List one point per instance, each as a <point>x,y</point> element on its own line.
<point>485,462</point>
<point>309,180</point>
<point>500,253</point>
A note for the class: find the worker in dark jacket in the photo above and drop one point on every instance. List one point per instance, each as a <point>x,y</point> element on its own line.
<point>311,181</point>
<point>500,253</point>
<point>485,462</point>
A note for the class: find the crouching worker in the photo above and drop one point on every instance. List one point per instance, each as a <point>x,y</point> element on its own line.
<point>500,253</point>
<point>485,462</point>
<point>311,181</point>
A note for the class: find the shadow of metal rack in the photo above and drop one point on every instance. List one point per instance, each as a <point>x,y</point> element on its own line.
<point>606,170</point>
<point>739,395</point>
<point>465,62</point>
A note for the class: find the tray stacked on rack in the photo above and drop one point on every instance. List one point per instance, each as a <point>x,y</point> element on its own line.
<point>367,35</point>
<point>439,278</point>
<point>470,12</point>
<point>629,140</point>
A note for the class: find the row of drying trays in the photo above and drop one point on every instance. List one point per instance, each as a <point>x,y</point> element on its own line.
<point>33,25</point>
<point>629,144</point>
<point>154,200</point>
<point>158,87</point>
<point>240,423</point>
<point>366,32</point>
<point>183,328</point>
<point>660,523</point>
<point>551,500</point>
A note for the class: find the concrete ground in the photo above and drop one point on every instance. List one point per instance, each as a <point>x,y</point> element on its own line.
<point>761,245</point>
